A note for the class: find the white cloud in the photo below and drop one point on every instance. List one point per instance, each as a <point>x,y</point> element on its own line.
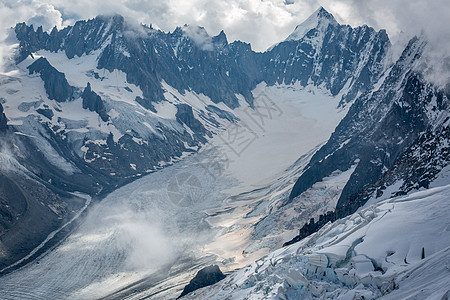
<point>45,15</point>
<point>199,36</point>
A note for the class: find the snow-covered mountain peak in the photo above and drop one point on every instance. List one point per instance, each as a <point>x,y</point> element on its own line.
<point>322,13</point>
<point>319,20</point>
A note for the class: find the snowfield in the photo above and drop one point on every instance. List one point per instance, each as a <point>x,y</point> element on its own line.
<point>395,249</point>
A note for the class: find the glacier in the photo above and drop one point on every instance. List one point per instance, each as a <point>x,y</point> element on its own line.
<point>143,232</point>
<point>394,249</point>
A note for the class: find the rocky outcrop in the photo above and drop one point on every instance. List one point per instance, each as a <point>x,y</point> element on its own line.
<point>312,226</point>
<point>205,277</point>
<point>46,112</point>
<point>3,120</point>
<point>94,102</point>
<point>185,116</point>
<point>146,103</point>
<point>221,113</point>
<point>55,82</point>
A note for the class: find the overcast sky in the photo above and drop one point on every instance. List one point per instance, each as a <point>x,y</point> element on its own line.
<point>262,23</point>
<point>259,22</point>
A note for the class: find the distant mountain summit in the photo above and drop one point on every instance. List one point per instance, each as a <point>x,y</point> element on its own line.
<point>319,20</point>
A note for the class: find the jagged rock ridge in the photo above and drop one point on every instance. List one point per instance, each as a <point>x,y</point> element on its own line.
<point>394,133</point>
<point>327,55</point>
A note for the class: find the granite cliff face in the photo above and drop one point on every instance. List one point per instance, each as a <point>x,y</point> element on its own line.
<point>55,82</point>
<point>3,120</point>
<point>378,128</point>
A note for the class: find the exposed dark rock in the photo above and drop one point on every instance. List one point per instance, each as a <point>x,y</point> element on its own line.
<point>376,134</point>
<point>132,155</point>
<point>75,40</point>
<point>78,43</point>
<point>145,103</point>
<point>46,112</point>
<point>32,210</point>
<point>312,226</point>
<point>221,113</point>
<point>416,168</point>
<point>185,115</point>
<point>94,102</point>
<point>30,40</point>
<point>55,82</point>
<point>3,120</point>
<point>333,62</point>
<point>205,277</point>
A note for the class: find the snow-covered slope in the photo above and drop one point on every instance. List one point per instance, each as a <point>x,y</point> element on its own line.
<point>123,87</point>
<point>120,86</point>
<point>150,236</point>
<point>395,249</point>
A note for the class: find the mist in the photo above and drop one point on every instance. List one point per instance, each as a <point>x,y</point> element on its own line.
<point>139,238</point>
<point>147,225</point>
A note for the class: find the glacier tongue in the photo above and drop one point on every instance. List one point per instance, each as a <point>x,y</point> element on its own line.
<point>395,249</point>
